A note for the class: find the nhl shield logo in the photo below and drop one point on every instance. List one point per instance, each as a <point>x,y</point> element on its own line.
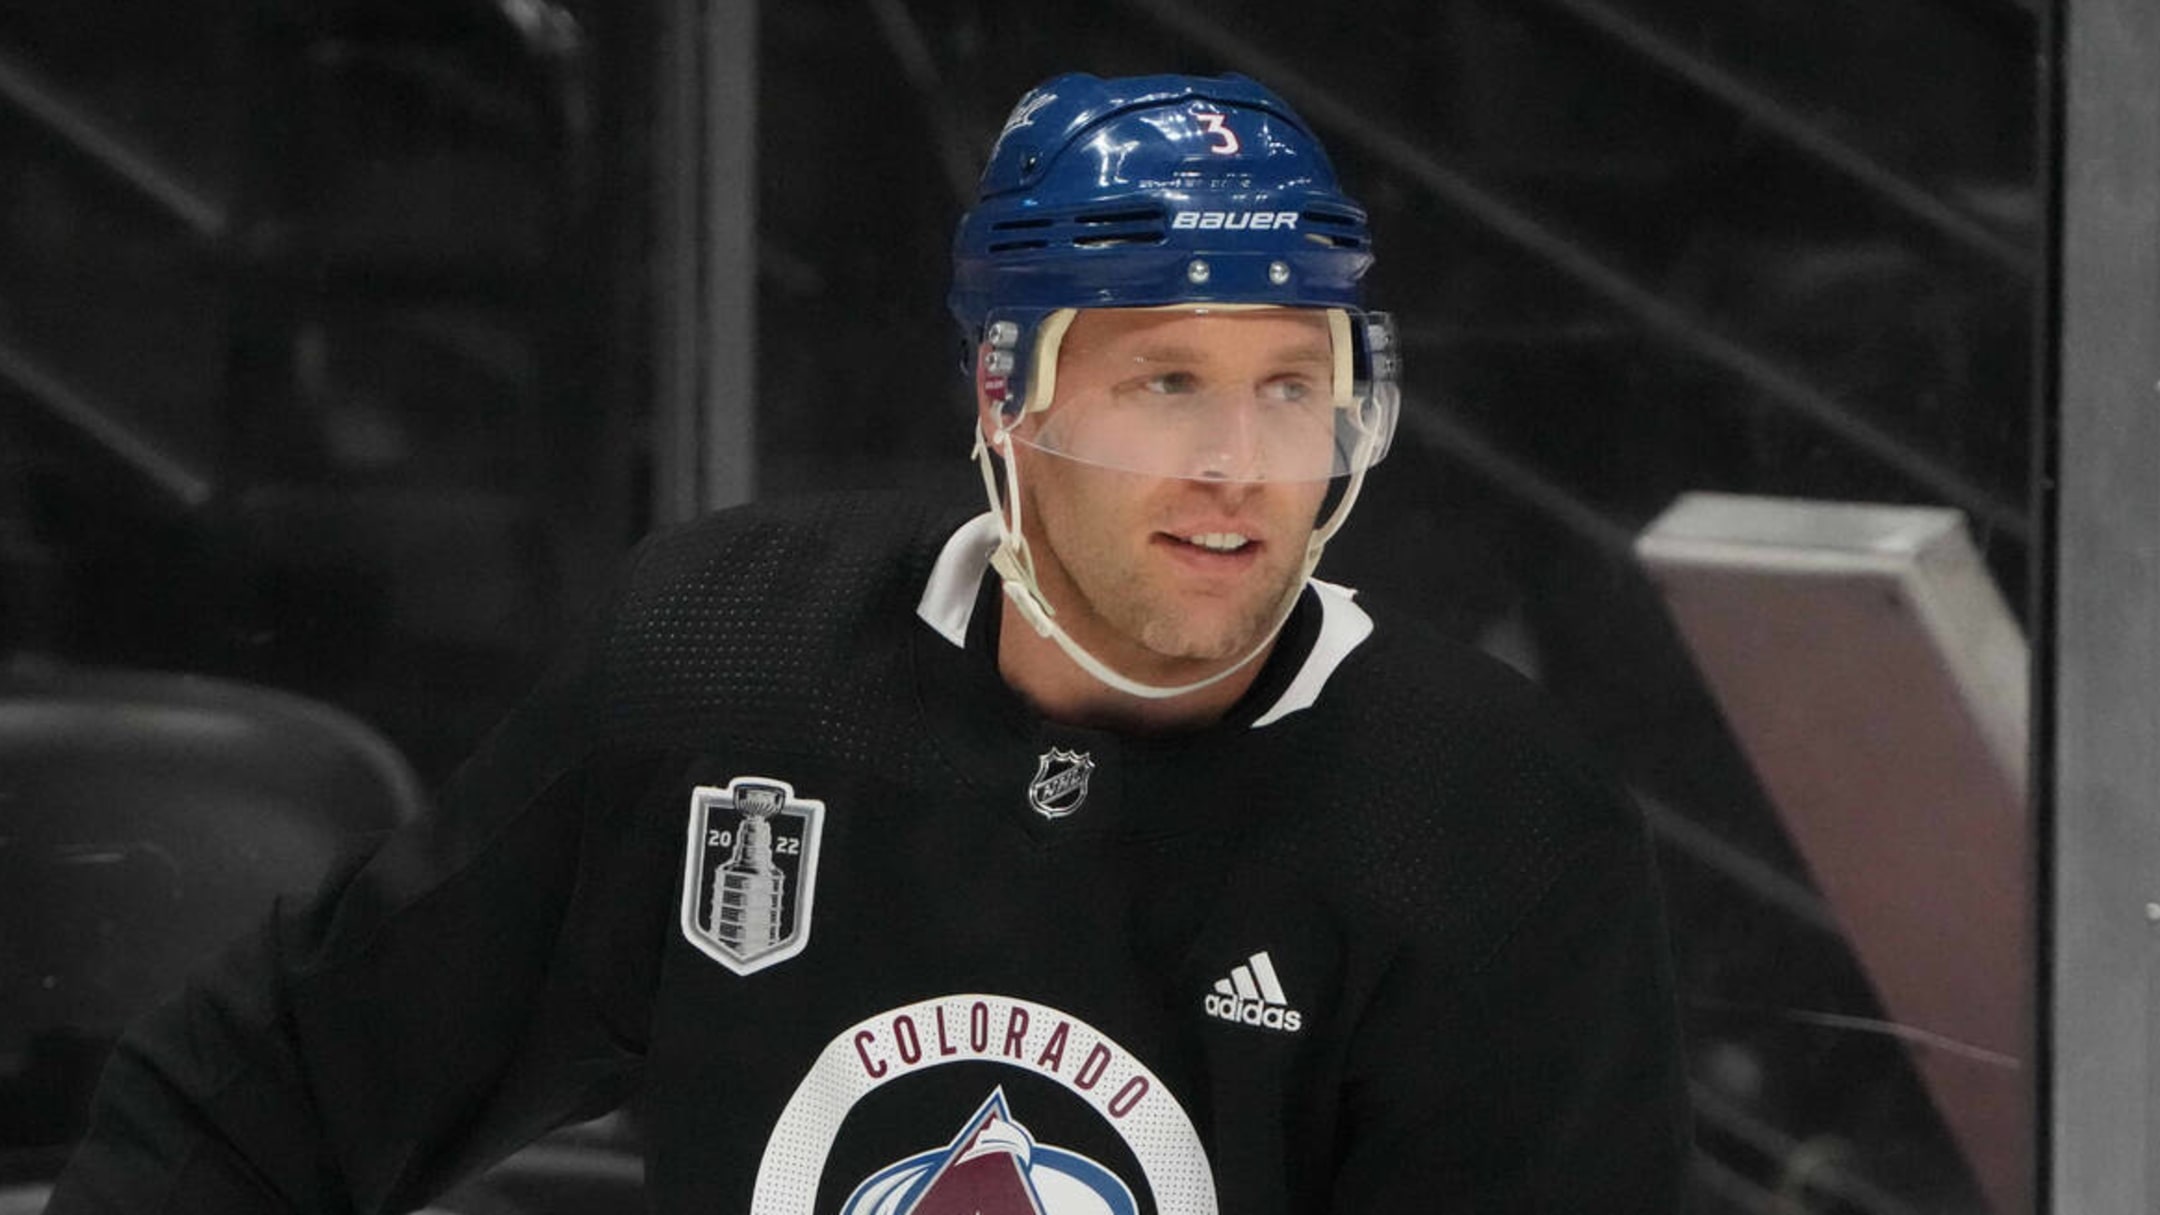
<point>749,872</point>
<point>1061,782</point>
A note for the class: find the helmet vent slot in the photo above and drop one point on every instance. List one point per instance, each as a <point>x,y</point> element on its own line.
<point>1146,215</point>
<point>1023,234</point>
<point>1131,226</point>
<point>1348,231</point>
<point>1098,240</point>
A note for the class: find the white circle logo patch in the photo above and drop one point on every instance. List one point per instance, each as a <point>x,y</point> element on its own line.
<point>1002,1030</point>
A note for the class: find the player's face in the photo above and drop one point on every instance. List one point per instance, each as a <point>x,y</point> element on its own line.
<point>1164,576</point>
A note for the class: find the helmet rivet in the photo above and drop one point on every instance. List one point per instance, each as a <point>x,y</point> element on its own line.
<point>1197,271</point>
<point>1278,273</point>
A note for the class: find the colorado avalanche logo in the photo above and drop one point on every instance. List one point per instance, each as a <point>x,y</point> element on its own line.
<point>993,1162</point>
<point>1061,782</point>
<point>993,1167</point>
<point>749,872</point>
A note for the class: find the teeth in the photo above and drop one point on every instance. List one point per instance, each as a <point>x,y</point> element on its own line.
<point>1221,542</point>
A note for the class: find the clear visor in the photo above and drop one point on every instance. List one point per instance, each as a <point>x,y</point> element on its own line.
<point>1215,392</point>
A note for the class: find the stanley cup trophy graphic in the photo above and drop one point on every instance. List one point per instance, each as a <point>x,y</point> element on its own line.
<point>746,914</point>
<point>749,870</point>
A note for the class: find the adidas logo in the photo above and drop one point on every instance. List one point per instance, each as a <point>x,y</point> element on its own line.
<point>1252,995</point>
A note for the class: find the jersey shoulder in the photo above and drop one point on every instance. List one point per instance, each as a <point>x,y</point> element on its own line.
<point>1458,790</point>
<point>1437,706</point>
<point>824,551</point>
<point>781,622</point>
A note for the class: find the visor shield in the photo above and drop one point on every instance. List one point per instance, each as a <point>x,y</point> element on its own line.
<point>1209,392</point>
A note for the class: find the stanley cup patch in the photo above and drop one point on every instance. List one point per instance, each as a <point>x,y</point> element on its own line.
<point>749,872</point>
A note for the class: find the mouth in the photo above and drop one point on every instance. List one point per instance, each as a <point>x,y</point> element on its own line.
<point>1210,549</point>
<point>1217,542</point>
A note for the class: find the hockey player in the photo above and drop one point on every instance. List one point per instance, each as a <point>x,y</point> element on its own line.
<point>1084,856</point>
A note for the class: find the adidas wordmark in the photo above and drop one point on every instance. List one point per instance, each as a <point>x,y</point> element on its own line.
<point>1253,995</point>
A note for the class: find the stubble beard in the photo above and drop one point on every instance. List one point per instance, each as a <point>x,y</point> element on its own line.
<point>1121,595</point>
<point>1162,627</point>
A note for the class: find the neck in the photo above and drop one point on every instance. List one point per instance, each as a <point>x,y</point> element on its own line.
<point>1056,687</point>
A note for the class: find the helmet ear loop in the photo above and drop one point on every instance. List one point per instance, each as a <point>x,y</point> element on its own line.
<point>1360,460</point>
<point>1033,372</point>
<point>1012,560</point>
<point>1342,341</point>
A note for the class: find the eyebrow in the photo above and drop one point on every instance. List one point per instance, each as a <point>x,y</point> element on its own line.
<point>1307,353</point>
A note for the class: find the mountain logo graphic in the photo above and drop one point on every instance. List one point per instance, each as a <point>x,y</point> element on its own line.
<point>992,1167</point>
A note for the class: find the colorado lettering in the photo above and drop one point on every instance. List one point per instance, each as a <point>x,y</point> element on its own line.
<point>963,1029</point>
<point>1234,221</point>
<point>903,1047</point>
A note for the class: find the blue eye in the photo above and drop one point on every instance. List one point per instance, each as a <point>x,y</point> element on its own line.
<point>1173,382</point>
<point>1290,389</point>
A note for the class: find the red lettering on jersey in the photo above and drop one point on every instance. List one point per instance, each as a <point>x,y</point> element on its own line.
<point>1053,1051</point>
<point>1128,1097</point>
<point>871,1067</point>
<point>944,1045</point>
<point>1091,1068</point>
<point>1015,1031</point>
<point>978,1027</point>
<point>910,1042</point>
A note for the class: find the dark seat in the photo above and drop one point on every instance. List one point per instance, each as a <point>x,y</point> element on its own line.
<point>147,819</point>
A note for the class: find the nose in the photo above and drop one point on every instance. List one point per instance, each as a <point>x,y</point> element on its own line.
<point>1233,450</point>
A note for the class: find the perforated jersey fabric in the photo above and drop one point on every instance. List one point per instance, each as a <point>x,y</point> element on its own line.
<point>759,634</point>
<point>1399,949</point>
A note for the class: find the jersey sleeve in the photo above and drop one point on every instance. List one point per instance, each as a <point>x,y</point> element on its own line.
<point>452,994</point>
<point>1550,1080</point>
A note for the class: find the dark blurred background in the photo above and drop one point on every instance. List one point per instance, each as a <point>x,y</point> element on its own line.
<point>334,359</point>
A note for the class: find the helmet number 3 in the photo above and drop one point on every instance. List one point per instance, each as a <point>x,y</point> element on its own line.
<point>1217,126</point>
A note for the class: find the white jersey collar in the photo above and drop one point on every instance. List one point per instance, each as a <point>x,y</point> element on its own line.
<point>948,604</point>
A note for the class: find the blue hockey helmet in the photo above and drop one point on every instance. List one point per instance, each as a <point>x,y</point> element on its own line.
<point>1162,192</point>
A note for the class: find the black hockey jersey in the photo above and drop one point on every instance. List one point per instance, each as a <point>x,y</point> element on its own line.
<point>778,856</point>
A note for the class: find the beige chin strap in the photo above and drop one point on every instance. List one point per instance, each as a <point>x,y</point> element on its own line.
<point>1015,566</point>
